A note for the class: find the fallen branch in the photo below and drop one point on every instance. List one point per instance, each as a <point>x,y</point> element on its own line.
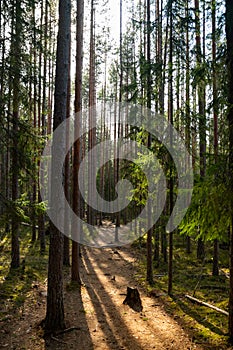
<point>206,304</point>
<point>58,340</point>
<point>67,330</point>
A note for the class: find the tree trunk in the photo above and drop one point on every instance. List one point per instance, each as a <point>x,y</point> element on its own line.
<point>229,36</point>
<point>170,116</point>
<point>200,249</point>
<point>76,196</point>
<point>215,110</point>
<point>34,194</point>
<point>149,275</point>
<point>187,105</point>
<point>201,111</point>
<point>215,271</point>
<point>54,320</point>
<point>66,251</point>
<point>16,48</point>
<point>91,219</point>
<point>117,170</point>
<point>43,117</point>
<point>40,218</point>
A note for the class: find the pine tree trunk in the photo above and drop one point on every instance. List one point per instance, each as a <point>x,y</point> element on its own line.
<point>43,115</point>
<point>40,120</point>
<point>201,112</point>
<point>34,193</point>
<point>55,308</point>
<point>149,275</point>
<point>78,146</point>
<point>66,251</point>
<point>215,108</point>
<point>200,249</point>
<point>229,36</point>
<point>215,271</point>
<point>118,125</point>
<point>91,219</point>
<point>170,116</point>
<point>16,48</point>
<point>187,106</point>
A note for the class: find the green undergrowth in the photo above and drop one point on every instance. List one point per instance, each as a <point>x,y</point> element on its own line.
<point>16,283</point>
<point>192,277</point>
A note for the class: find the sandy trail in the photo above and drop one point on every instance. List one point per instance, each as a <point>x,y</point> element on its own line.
<point>97,310</point>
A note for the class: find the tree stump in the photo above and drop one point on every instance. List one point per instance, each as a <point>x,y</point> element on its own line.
<point>133,299</point>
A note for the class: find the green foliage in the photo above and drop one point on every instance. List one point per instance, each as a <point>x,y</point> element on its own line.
<point>208,216</point>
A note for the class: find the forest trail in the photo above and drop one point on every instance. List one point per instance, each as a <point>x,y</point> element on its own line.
<point>97,310</point>
<point>112,325</point>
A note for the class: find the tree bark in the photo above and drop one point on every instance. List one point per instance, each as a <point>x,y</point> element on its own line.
<point>149,275</point>
<point>201,112</point>
<point>215,271</point>
<point>76,196</point>
<point>229,36</point>
<point>54,320</point>
<point>66,250</point>
<point>16,59</point>
<point>91,213</point>
<point>170,116</point>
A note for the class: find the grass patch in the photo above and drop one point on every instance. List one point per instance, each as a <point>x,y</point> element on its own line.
<point>16,283</point>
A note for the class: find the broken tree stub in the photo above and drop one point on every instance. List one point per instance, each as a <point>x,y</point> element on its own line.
<point>133,299</point>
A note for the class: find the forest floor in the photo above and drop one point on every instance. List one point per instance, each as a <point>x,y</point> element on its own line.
<point>97,313</point>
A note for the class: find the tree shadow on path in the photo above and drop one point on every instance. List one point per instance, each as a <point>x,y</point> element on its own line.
<point>109,318</point>
<point>79,335</point>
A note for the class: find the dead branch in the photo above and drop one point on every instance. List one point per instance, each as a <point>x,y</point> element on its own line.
<point>58,340</point>
<point>67,330</point>
<point>206,304</point>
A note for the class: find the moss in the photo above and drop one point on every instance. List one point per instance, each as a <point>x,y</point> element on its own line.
<point>192,277</point>
<point>15,284</point>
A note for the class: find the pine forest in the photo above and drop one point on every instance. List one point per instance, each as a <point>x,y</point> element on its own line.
<point>116,174</point>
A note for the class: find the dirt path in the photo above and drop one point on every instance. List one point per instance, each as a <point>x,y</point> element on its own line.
<point>98,312</point>
<point>113,325</point>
